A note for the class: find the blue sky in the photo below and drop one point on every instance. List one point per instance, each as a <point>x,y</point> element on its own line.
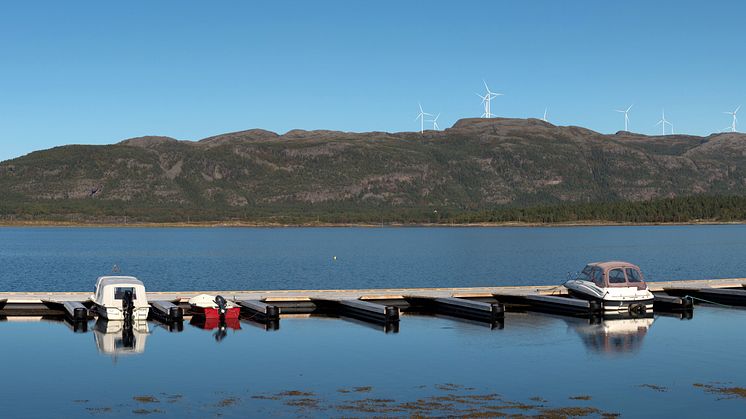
<point>92,72</point>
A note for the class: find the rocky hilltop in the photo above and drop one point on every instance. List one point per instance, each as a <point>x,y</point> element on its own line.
<point>475,165</point>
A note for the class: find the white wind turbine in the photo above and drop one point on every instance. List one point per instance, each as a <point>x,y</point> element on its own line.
<point>421,117</point>
<point>735,119</point>
<point>626,117</point>
<point>435,122</point>
<point>545,115</point>
<point>486,99</point>
<point>663,123</point>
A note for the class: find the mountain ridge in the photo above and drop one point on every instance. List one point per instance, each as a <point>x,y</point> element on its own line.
<point>475,165</point>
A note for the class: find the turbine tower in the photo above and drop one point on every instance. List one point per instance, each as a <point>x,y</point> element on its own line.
<point>421,117</point>
<point>735,119</point>
<point>663,123</point>
<point>626,117</point>
<point>545,115</point>
<point>435,122</point>
<point>486,99</point>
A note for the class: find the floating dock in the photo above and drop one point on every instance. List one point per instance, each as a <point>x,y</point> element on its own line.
<point>383,306</point>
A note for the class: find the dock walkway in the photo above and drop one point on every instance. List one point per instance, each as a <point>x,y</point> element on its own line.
<point>274,296</point>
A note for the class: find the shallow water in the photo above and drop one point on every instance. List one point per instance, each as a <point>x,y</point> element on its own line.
<point>636,367</point>
<point>169,259</point>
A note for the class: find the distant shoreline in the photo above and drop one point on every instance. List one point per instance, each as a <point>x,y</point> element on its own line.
<point>240,224</point>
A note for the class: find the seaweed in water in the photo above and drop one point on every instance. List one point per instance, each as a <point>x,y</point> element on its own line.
<point>145,399</point>
<point>729,392</point>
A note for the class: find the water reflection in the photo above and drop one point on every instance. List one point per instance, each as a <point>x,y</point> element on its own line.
<point>220,326</point>
<point>113,338</point>
<point>605,335</point>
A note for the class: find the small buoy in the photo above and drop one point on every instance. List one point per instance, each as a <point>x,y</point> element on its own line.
<point>334,257</point>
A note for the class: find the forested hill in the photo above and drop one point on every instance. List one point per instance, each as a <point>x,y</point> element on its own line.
<point>479,166</point>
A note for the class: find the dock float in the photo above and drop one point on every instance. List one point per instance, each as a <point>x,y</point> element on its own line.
<point>166,311</point>
<point>76,311</point>
<point>665,302</point>
<point>725,296</point>
<point>461,308</point>
<point>363,310</point>
<point>555,304</point>
<point>259,310</point>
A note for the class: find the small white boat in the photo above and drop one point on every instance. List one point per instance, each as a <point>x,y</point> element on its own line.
<point>618,286</point>
<point>118,297</point>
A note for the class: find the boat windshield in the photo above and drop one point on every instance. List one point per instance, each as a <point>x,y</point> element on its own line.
<point>616,276</point>
<point>598,276</point>
<point>119,292</point>
<point>633,275</point>
<point>585,274</point>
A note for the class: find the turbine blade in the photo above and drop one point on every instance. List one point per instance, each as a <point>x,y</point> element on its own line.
<point>736,111</point>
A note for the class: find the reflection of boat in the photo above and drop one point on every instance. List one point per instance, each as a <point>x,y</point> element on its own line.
<point>612,335</point>
<point>120,338</point>
<point>214,307</point>
<point>220,326</point>
<point>619,286</point>
<point>121,298</point>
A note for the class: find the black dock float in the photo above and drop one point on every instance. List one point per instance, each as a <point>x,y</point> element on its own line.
<point>259,310</point>
<point>491,312</point>
<point>556,304</point>
<point>166,311</point>
<point>725,296</point>
<point>362,310</point>
<point>665,302</point>
<point>76,311</point>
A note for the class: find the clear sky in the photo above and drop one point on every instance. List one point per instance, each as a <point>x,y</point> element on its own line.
<point>94,72</point>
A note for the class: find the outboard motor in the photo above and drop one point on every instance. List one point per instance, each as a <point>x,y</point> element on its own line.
<point>637,309</point>
<point>222,305</point>
<point>128,306</point>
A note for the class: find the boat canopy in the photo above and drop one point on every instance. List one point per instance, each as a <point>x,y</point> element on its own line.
<point>110,291</point>
<point>613,274</point>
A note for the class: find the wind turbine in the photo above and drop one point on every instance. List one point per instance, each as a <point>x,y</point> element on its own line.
<point>435,122</point>
<point>626,117</point>
<point>735,119</point>
<point>421,117</point>
<point>545,115</point>
<point>486,100</point>
<point>663,123</point>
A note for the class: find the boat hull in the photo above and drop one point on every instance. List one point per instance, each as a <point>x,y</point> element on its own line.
<point>611,305</point>
<point>117,314</point>
<point>214,313</point>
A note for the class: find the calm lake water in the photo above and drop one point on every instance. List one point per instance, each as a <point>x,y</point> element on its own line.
<point>70,259</point>
<point>536,364</point>
<point>324,367</point>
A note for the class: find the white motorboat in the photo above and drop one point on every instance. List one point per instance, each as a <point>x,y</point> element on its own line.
<point>618,286</point>
<point>121,298</point>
